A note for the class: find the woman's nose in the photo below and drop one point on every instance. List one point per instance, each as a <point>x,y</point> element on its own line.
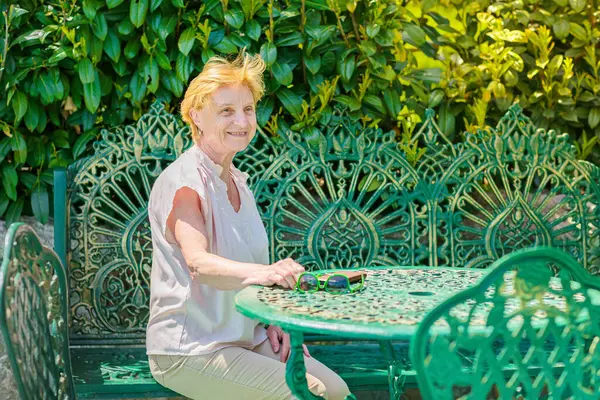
<point>241,119</point>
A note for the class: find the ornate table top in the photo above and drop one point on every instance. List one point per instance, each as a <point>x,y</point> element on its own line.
<point>390,306</point>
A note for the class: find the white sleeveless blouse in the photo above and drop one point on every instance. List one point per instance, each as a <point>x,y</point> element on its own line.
<point>187,316</point>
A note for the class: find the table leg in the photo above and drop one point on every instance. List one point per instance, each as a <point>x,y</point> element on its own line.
<point>295,371</point>
<point>395,378</point>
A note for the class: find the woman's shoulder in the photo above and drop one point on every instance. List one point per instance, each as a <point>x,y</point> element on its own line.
<point>181,172</point>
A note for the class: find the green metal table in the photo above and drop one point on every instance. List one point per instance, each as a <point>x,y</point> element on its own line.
<point>390,307</point>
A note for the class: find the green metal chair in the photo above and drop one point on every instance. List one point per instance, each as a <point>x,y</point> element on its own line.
<point>33,316</point>
<point>530,329</point>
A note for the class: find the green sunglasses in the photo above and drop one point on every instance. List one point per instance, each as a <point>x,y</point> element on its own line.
<point>309,282</point>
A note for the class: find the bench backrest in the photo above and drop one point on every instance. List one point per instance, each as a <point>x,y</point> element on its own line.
<point>354,199</point>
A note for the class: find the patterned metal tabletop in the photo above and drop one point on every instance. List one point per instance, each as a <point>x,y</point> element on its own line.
<point>392,303</point>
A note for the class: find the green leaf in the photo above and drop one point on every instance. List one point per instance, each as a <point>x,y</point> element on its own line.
<point>132,48</point>
<point>9,181</point>
<point>92,92</point>
<point>86,70</point>
<point>268,52</point>
<point>226,46</point>
<point>373,29</point>
<point>154,4</point>
<point>282,73</point>
<point>60,138</point>
<point>391,99</point>
<point>578,31</point>
<point>264,111</point>
<point>15,12</point>
<point>137,87</point>
<point>28,179</point>
<point>561,28</point>
<point>36,152</point>
<point>178,3</point>
<point>58,55</point>
<point>171,83</point>
<point>414,35</point>
<point>347,68</point>
<point>235,18</point>
<point>374,102</point>
<point>19,148</point>
<point>125,27</point>
<point>89,8</point>
<point>13,214</point>
<point>46,87</point>
<point>578,5</point>
<point>113,3</point>
<point>40,203</point>
<point>313,63</point>
<point>36,36</point>
<point>99,27</point>
<point>3,203</point>
<point>152,73</point>
<point>112,46</point>
<point>446,121</point>
<point>167,26</point>
<point>19,104</point>
<point>435,98</point>
<point>32,116</point>
<point>162,60</point>
<point>137,12</point>
<point>594,117</point>
<point>253,29</point>
<point>5,148</point>
<point>186,40</point>
<point>82,141</point>
<point>292,39</point>
<point>184,67</point>
<point>351,102</point>
<point>290,100</point>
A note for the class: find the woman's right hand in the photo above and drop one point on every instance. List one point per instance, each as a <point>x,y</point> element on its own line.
<point>284,273</point>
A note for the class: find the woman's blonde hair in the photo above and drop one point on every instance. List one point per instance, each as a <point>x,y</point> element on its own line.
<point>217,72</point>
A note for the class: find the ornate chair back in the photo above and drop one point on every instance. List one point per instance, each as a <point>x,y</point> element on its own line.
<point>33,316</point>
<point>530,328</point>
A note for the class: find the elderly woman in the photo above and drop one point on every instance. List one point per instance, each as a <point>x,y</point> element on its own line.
<point>208,243</point>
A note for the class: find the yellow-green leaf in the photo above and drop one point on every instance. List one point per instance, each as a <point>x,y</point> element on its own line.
<point>594,117</point>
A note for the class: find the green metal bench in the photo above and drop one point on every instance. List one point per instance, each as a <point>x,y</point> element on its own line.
<point>353,199</point>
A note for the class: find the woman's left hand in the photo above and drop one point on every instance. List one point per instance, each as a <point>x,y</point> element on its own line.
<point>280,343</point>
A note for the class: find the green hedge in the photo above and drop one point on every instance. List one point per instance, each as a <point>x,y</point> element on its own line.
<point>70,67</point>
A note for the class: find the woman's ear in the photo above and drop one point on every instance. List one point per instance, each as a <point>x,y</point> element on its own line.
<point>195,116</point>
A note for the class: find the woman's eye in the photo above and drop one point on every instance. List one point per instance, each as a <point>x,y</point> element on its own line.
<point>227,110</point>
<point>249,109</point>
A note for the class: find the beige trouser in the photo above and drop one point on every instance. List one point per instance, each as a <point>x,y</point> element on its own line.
<point>238,373</point>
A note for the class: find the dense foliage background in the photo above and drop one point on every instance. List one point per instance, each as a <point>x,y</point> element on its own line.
<point>71,67</point>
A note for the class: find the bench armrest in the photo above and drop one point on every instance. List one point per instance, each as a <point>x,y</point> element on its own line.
<point>33,316</point>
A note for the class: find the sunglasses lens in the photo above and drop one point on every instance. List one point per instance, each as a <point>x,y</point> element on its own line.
<point>338,284</point>
<point>308,283</point>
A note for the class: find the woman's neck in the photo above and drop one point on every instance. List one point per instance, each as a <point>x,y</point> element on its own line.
<point>222,159</point>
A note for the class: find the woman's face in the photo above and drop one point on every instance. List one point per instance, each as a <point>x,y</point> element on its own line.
<point>228,121</point>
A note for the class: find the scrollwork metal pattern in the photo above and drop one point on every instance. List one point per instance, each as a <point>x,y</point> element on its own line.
<point>33,316</point>
<point>353,200</point>
<point>516,334</point>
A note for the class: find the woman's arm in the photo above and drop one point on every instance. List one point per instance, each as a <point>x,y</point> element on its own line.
<point>187,225</point>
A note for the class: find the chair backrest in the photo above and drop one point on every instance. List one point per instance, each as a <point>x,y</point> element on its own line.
<point>530,328</point>
<point>353,199</point>
<point>33,316</point>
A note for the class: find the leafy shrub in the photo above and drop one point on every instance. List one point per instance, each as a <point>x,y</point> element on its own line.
<point>69,68</point>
